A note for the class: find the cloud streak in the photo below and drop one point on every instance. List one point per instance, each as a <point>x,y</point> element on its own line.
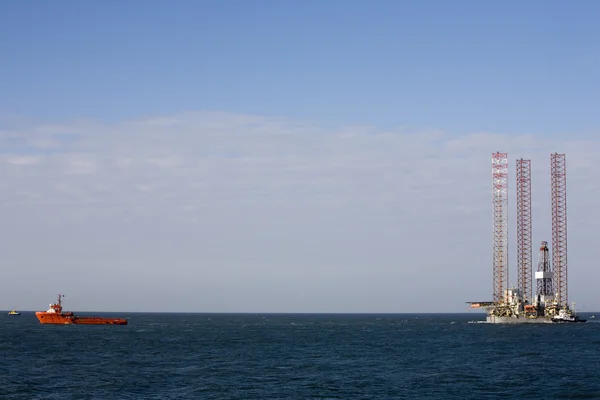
<point>226,212</point>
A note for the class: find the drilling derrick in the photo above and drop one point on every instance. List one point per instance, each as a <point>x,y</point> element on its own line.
<point>500,225</point>
<point>543,276</point>
<point>558,170</point>
<point>524,227</point>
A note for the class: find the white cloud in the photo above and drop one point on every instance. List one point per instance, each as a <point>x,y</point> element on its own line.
<point>23,160</point>
<point>220,212</point>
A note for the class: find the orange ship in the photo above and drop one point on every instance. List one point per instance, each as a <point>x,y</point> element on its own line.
<point>55,315</point>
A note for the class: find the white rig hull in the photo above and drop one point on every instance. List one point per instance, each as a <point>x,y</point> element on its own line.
<point>492,319</point>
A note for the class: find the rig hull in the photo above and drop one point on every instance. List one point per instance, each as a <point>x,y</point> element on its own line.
<point>492,319</point>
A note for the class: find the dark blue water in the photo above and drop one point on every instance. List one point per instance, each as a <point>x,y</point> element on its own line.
<point>228,356</point>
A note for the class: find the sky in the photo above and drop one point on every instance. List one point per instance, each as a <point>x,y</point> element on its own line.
<point>286,156</point>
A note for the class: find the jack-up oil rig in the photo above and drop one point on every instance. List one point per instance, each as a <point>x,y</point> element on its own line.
<point>518,304</point>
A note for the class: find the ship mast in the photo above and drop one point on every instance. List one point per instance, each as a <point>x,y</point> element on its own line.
<point>58,305</point>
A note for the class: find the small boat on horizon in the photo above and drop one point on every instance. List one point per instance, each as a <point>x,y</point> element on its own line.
<point>13,312</point>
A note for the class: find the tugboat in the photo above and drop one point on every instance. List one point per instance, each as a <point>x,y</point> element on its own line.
<point>56,316</point>
<point>565,315</point>
<point>13,312</point>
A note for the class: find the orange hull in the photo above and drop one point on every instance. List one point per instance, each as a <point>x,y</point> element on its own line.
<point>70,318</point>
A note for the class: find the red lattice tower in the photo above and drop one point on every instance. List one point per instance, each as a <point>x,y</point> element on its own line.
<point>500,224</point>
<point>558,168</point>
<point>524,261</point>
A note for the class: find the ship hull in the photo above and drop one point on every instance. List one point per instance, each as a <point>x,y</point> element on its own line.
<point>569,321</point>
<point>70,319</point>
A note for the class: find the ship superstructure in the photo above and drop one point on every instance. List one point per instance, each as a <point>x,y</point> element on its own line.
<point>518,304</point>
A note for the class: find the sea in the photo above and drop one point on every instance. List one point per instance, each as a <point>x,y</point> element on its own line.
<point>298,356</point>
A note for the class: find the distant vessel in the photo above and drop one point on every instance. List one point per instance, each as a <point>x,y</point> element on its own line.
<point>13,312</point>
<point>56,316</point>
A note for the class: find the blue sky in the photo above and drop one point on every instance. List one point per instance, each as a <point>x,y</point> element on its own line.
<point>286,156</point>
<point>466,65</point>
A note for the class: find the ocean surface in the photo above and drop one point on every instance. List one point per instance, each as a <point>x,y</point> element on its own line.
<point>298,356</point>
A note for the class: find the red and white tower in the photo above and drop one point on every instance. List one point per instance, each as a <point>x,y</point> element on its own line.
<point>500,224</point>
<point>524,228</point>
<point>558,170</point>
